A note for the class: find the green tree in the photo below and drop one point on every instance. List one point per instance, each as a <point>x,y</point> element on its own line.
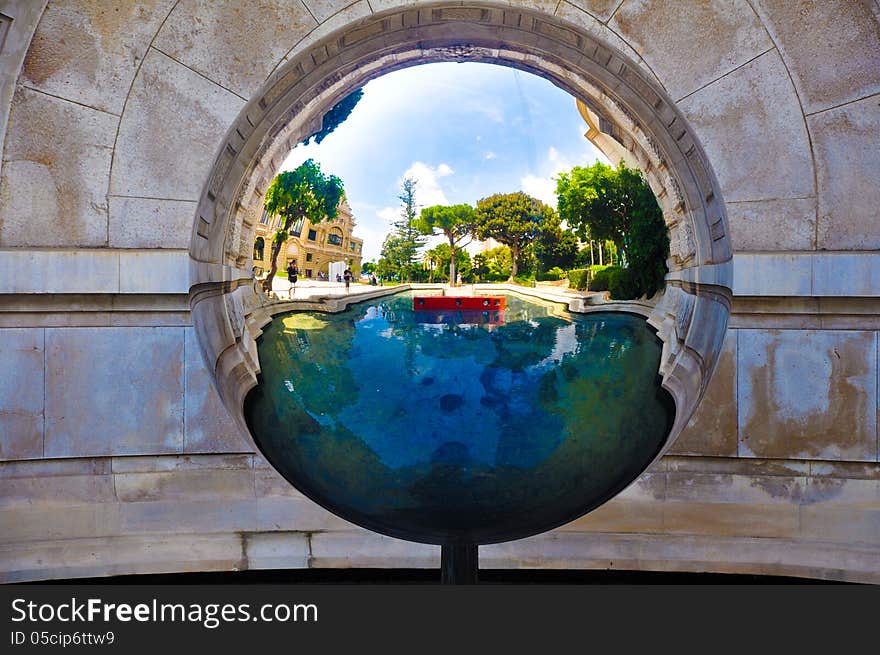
<point>369,268</point>
<point>442,256</point>
<point>409,238</point>
<point>556,247</point>
<point>399,254</point>
<point>335,116</point>
<point>455,223</point>
<point>616,204</point>
<point>514,219</point>
<point>495,264</point>
<point>297,195</point>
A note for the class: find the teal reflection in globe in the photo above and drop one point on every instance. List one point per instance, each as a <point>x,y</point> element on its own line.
<point>457,427</point>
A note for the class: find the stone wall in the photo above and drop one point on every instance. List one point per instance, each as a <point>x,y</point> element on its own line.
<point>117,453</point>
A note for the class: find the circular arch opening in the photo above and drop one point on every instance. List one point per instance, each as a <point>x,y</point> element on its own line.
<point>621,100</point>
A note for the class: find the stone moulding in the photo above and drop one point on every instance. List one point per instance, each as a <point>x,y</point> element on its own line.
<point>691,318</point>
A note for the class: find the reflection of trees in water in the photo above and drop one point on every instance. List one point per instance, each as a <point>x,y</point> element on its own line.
<point>569,433</point>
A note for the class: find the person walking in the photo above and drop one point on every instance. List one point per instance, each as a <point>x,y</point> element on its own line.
<point>347,275</point>
<point>292,273</point>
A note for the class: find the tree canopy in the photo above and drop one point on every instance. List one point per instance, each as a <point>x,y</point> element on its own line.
<point>305,193</point>
<point>616,204</point>
<point>441,255</point>
<point>555,247</point>
<point>456,222</point>
<point>335,116</point>
<point>400,249</point>
<point>514,219</point>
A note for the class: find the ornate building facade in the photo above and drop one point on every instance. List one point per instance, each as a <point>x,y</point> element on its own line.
<point>312,247</point>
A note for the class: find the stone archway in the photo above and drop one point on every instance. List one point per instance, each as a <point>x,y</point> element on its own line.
<point>114,121</point>
<point>692,318</point>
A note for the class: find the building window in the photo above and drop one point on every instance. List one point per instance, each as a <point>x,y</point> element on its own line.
<point>312,235</point>
<point>308,256</point>
<point>308,272</point>
<point>334,239</point>
<point>265,217</point>
<point>297,227</point>
<point>351,246</point>
<point>259,245</point>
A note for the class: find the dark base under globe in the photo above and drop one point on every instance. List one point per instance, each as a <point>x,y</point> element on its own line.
<point>459,563</point>
<point>458,429</point>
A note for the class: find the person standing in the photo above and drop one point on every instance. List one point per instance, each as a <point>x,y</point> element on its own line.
<point>347,275</point>
<point>458,280</point>
<point>292,273</point>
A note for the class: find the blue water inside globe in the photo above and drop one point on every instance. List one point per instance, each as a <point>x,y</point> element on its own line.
<point>459,427</point>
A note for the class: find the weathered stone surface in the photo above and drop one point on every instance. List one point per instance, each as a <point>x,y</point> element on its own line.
<point>187,516</point>
<point>47,468</point>
<point>841,525</point>
<point>89,50</point>
<point>129,391</point>
<point>772,274</point>
<point>564,550</point>
<point>352,12</point>
<point>56,490</point>
<point>713,37</point>
<point>323,9</point>
<point>53,191</point>
<point>187,485</point>
<point>788,224</point>
<point>155,463</point>
<point>740,466</point>
<point>601,9</point>
<point>146,223</point>
<point>59,522</point>
<point>17,26</point>
<point>279,550</point>
<point>154,271</point>
<point>173,124</point>
<point>846,143</point>
<point>360,548</point>
<point>21,393</point>
<point>731,519</point>
<point>809,394</point>
<point>120,555</point>
<point>845,274</point>
<point>619,516</point>
<point>758,490</point>
<point>751,124</point>
<point>296,513</point>
<point>712,428</point>
<point>34,271</point>
<point>235,44</point>
<point>209,428</point>
<point>832,48</point>
<point>604,35</point>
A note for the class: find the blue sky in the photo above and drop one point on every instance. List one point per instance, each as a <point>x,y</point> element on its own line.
<point>463,130</point>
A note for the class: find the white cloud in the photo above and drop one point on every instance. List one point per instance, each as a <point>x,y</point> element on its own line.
<point>491,155</point>
<point>542,188</point>
<point>428,191</point>
<point>388,214</point>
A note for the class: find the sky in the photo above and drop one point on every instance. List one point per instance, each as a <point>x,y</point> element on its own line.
<point>463,130</point>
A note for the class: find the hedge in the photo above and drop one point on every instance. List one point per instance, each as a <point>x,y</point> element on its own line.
<point>623,284</point>
<point>578,278</point>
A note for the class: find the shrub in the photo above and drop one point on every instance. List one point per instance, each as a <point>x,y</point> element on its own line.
<point>554,273</point>
<point>578,278</point>
<point>600,279</point>
<point>525,279</point>
<point>623,284</point>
